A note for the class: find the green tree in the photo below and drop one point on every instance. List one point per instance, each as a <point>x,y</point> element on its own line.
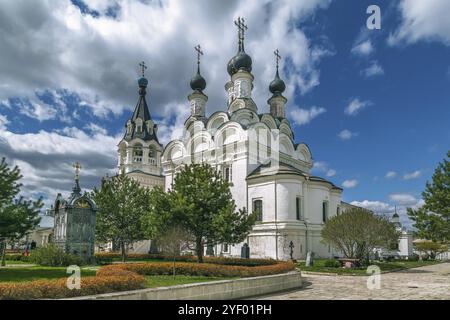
<point>121,203</point>
<point>432,221</point>
<point>200,202</point>
<point>172,242</point>
<point>357,231</point>
<point>17,216</point>
<point>431,247</point>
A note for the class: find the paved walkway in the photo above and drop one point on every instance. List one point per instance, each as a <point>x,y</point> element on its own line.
<point>424,283</point>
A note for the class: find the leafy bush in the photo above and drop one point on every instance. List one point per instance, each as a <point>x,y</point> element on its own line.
<point>17,257</point>
<point>413,257</point>
<point>57,289</point>
<point>199,269</point>
<point>332,263</point>
<point>52,256</point>
<point>104,257</point>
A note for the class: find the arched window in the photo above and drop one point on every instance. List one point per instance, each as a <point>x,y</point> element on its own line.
<point>152,155</point>
<point>258,208</point>
<point>137,153</point>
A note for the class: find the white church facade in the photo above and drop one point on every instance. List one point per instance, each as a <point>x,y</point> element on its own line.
<point>269,172</point>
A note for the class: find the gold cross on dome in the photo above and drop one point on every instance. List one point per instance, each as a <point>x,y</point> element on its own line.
<point>143,67</point>
<point>77,167</point>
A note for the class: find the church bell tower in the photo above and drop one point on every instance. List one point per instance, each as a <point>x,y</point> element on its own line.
<point>139,150</point>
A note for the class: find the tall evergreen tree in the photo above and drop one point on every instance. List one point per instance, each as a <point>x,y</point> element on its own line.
<point>432,221</point>
<point>200,201</point>
<point>17,216</point>
<point>121,203</point>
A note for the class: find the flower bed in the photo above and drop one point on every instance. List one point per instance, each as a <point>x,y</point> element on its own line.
<point>108,256</point>
<point>199,269</point>
<point>108,281</point>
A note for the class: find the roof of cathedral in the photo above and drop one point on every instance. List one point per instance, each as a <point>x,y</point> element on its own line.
<point>267,169</point>
<point>142,112</point>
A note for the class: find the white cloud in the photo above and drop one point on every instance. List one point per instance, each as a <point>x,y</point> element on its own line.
<point>45,158</point>
<point>404,199</point>
<point>304,116</point>
<point>347,134</point>
<point>375,69</point>
<point>95,128</point>
<point>322,167</point>
<point>3,122</point>
<point>375,206</point>
<point>423,20</point>
<point>51,44</point>
<point>390,175</point>
<point>350,183</point>
<point>363,49</point>
<point>355,106</point>
<point>412,175</point>
<point>331,173</point>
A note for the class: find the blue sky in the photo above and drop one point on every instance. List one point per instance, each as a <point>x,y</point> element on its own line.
<point>373,105</point>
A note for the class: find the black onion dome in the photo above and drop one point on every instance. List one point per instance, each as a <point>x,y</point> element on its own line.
<point>277,86</point>
<point>198,83</point>
<point>241,61</point>
<point>230,67</point>
<point>143,82</point>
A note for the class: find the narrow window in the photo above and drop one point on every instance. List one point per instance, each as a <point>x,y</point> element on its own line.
<point>338,210</point>
<point>324,211</point>
<point>227,173</point>
<point>298,208</point>
<point>257,207</point>
<point>225,248</point>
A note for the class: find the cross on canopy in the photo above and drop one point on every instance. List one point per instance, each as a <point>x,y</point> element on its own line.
<point>77,167</point>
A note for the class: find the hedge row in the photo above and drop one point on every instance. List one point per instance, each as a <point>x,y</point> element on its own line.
<point>199,269</point>
<point>16,257</point>
<point>114,280</point>
<point>188,258</point>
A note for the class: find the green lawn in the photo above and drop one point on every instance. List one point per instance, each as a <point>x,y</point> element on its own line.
<point>9,262</point>
<point>319,266</point>
<point>21,274</point>
<point>166,280</point>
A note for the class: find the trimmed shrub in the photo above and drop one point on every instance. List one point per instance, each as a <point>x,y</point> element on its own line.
<point>413,257</point>
<point>52,256</point>
<point>105,257</point>
<point>121,280</point>
<point>332,263</point>
<point>17,257</point>
<point>199,269</point>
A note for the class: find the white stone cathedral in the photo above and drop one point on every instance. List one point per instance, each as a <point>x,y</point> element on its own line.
<point>269,172</point>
